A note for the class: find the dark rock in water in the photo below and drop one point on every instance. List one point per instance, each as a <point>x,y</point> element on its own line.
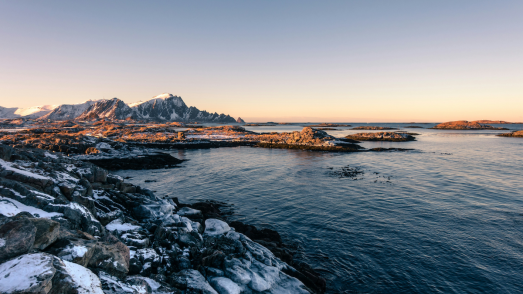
<point>382,136</point>
<point>151,161</point>
<point>16,237</point>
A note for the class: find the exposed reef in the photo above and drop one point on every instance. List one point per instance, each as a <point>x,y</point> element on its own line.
<point>68,226</point>
<point>372,128</point>
<point>465,125</point>
<point>329,125</point>
<point>382,136</point>
<point>518,134</point>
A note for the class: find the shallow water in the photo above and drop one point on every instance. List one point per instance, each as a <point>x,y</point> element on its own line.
<point>445,218</point>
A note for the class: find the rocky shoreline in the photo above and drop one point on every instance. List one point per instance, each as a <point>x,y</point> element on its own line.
<point>515,134</point>
<point>383,136</point>
<point>69,226</point>
<point>465,125</point>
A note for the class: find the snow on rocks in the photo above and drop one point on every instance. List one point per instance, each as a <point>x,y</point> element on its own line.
<point>225,286</point>
<point>11,207</point>
<point>117,225</point>
<point>45,273</point>
<point>215,227</point>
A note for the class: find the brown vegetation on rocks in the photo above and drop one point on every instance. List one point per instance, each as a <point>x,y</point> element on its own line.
<point>382,136</point>
<point>518,134</point>
<point>465,125</point>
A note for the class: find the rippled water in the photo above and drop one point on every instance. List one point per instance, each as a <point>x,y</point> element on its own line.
<point>449,219</point>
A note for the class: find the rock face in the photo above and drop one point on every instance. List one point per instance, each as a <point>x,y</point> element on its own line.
<point>68,111</point>
<point>167,107</point>
<point>465,125</point>
<point>240,120</point>
<point>382,136</point>
<point>113,109</point>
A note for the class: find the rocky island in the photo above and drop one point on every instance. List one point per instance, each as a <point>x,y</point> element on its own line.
<point>69,226</point>
<point>465,125</point>
<point>373,128</point>
<point>382,136</point>
<point>518,134</point>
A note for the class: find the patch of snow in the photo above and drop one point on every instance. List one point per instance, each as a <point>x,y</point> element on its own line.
<point>47,154</point>
<point>8,166</point>
<point>215,227</point>
<point>65,176</point>
<point>152,283</point>
<point>11,207</point>
<point>43,195</point>
<point>2,242</point>
<point>20,274</point>
<point>117,225</point>
<point>74,251</point>
<point>87,282</point>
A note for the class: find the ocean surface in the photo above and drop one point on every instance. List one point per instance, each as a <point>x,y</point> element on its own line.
<point>446,217</point>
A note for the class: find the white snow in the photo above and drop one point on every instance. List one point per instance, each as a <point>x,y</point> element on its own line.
<point>225,286</point>
<point>152,283</point>
<point>8,166</point>
<point>23,272</point>
<point>47,154</point>
<point>122,227</point>
<point>2,242</point>
<point>11,207</point>
<point>87,282</point>
<point>43,195</point>
<point>74,251</point>
<point>215,227</point>
<point>35,111</point>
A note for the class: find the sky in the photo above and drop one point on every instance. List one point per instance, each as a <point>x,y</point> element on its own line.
<point>329,61</point>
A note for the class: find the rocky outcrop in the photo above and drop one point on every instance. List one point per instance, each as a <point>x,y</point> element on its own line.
<point>373,128</point>
<point>240,120</point>
<point>382,136</point>
<point>87,231</point>
<point>465,125</point>
<point>518,134</point>
<point>113,109</point>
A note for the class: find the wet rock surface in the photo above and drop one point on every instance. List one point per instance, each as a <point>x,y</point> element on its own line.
<point>81,229</point>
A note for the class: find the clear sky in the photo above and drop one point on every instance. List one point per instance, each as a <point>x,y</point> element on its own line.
<point>271,60</point>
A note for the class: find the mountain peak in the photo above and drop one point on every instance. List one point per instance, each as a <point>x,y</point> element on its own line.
<point>164,96</point>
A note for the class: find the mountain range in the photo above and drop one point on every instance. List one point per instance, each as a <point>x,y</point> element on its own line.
<point>164,107</point>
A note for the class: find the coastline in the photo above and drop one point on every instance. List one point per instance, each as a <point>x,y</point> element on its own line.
<point>124,236</point>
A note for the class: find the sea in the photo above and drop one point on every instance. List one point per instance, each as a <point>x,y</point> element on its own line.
<point>444,217</point>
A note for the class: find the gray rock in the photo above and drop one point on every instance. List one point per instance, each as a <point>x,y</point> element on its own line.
<point>47,274</point>
<point>46,232</point>
<point>16,237</point>
<point>225,286</point>
<point>215,227</point>
<point>5,152</point>
<point>112,256</point>
<point>192,281</point>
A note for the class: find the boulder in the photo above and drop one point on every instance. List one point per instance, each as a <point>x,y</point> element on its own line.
<point>192,281</point>
<point>16,237</point>
<point>46,232</point>
<point>225,286</point>
<point>215,227</point>
<point>5,152</point>
<point>111,256</point>
<point>45,273</point>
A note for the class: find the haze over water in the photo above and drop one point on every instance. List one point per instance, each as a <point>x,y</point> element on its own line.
<point>445,218</point>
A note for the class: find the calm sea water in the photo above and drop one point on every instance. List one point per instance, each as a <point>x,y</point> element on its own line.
<point>446,218</point>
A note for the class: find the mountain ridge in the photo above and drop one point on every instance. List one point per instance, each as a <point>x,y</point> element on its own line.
<point>163,107</point>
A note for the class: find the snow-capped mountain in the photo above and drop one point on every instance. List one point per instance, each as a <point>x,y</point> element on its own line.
<point>112,109</point>
<point>164,107</point>
<point>31,112</point>
<point>68,111</point>
<point>172,108</point>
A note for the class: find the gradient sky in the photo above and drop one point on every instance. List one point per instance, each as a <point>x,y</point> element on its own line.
<point>271,60</point>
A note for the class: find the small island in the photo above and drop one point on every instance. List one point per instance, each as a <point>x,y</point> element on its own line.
<point>382,136</point>
<point>465,125</point>
<point>518,134</point>
<point>373,128</point>
<point>329,125</point>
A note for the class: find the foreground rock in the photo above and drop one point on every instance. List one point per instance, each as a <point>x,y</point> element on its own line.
<point>465,125</point>
<point>382,136</point>
<point>68,226</point>
<point>518,134</point>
